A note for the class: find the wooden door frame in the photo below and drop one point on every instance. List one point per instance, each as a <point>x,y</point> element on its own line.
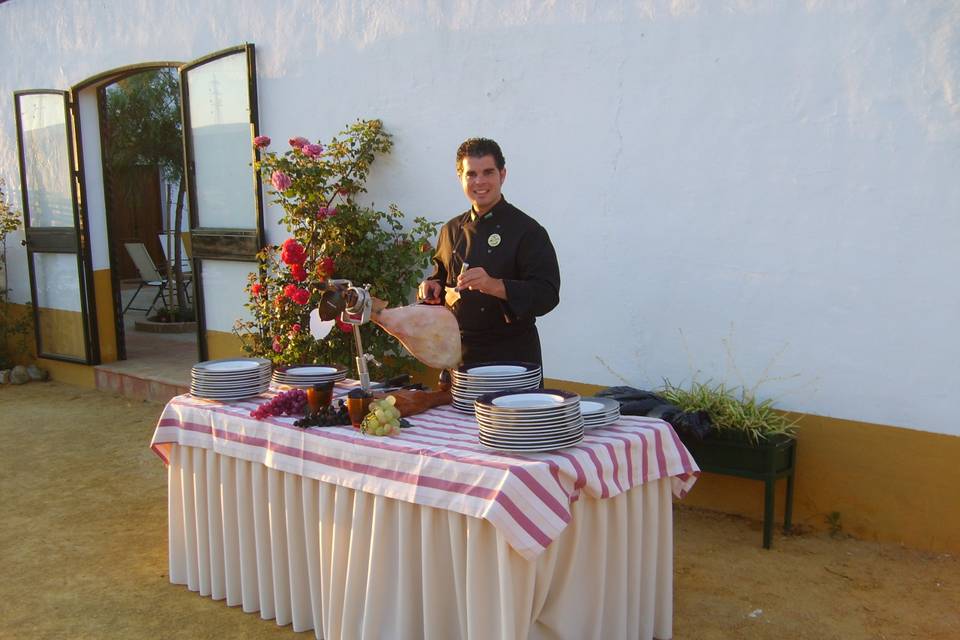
<point>100,81</point>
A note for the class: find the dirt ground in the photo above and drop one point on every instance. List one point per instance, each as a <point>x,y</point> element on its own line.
<point>83,549</point>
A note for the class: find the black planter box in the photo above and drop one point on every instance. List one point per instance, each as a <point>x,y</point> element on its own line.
<point>767,460</point>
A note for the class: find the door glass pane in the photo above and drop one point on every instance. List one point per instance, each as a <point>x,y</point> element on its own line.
<point>58,304</point>
<point>224,294</point>
<point>46,160</point>
<point>219,135</point>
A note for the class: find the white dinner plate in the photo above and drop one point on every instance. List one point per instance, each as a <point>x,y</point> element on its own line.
<point>613,417</point>
<point>238,396</point>
<point>532,447</point>
<point>233,365</point>
<point>228,390</point>
<point>230,364</point>
<point>242,375</point>
<point>505,423</point>
<point>467,396</point>
<point>311,371</point>
<point>528,401</point>
<point>512,435</point>
<point>598,405</point>
<point>496,370</point>
<point>496,384</point>
<point>524,400</point>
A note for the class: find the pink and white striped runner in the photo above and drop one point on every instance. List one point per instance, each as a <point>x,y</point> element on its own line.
<point>440,463</point>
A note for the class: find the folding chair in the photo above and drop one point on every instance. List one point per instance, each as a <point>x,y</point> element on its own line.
<point>185,267</point>
<point>149,276</point>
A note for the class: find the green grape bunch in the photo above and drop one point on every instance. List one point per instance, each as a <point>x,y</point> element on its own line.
<point>383,418</point>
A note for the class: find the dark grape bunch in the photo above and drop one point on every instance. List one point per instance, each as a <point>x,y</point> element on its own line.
<point>327,416</point>
<point>287,403</point>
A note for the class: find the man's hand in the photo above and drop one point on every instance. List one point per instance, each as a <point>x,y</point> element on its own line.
<point>477,279</point>
<point>429,292</point>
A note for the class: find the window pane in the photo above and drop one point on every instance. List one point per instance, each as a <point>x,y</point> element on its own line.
<point>220,141</point>
<point>58,304</point>
<point>46,160</point>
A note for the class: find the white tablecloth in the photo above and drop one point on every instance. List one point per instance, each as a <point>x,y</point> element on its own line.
<point>427,534</point>
<point>351,564</point>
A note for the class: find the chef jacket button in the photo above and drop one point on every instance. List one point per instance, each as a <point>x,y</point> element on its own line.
<point>489,250</point>
<point>483,309</point>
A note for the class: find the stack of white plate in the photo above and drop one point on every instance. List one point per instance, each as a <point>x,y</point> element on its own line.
<point>599,412</point>
<point>474,380</point>
<point>304,376</point>
<point>527,421</point>
<point>230,378</point>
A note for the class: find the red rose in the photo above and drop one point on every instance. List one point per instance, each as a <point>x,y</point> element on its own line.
<point>301,296</point>
<point>298,272</point>
<point>293,252</point>
<point>325,267</point>
<point>346,327</point>
<point>256,288</point>
<point>289,290</point>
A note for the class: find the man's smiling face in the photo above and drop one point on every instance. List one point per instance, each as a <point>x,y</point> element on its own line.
<point>481,181</point>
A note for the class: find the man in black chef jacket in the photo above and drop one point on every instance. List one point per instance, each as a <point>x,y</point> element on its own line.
<point>511,273</point>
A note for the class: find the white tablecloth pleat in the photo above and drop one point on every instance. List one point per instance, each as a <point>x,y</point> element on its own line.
<point>349,564</point>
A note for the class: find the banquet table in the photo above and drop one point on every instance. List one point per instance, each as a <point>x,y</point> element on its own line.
<point>427,534</point>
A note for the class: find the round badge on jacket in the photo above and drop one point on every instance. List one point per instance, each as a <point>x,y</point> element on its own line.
<point>494,239</point>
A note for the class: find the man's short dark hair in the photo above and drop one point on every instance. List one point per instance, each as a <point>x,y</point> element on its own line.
<point>477,148</point>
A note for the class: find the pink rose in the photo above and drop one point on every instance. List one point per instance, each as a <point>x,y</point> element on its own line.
<point>311,150</point>
<point>276,344</point>
<point>261,141</point>
<point>280,181</point>
<point>326,212</point>
<point>295,328</point>
<point>298,142</point>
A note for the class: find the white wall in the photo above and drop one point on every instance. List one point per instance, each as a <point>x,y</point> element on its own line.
<point>745,191</point>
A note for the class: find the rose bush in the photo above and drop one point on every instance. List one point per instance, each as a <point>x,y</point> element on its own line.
<point>331,236</point>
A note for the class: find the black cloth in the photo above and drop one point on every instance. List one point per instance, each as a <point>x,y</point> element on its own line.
<point>689,425</point>
<point>513,247</point>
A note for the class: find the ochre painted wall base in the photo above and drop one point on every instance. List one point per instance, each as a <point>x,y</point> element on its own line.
<point>106,323</point>
<point>80,375</point>
<point>221,344</point>
<point>884,483</point>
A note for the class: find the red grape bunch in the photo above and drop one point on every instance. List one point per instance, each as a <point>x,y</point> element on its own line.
<point>287,403</point>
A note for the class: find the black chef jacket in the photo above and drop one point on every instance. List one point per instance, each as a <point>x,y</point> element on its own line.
<point>511,246</point>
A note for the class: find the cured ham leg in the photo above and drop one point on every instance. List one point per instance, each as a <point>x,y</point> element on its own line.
<point>410,402</point>
<point>429,332</point>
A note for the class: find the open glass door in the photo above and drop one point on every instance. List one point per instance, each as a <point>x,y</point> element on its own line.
<point>219,105</point>
<point>57,246</point>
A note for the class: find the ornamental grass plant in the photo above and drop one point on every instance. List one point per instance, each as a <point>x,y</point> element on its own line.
<point>735,412</point>
<point>332,236</point>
